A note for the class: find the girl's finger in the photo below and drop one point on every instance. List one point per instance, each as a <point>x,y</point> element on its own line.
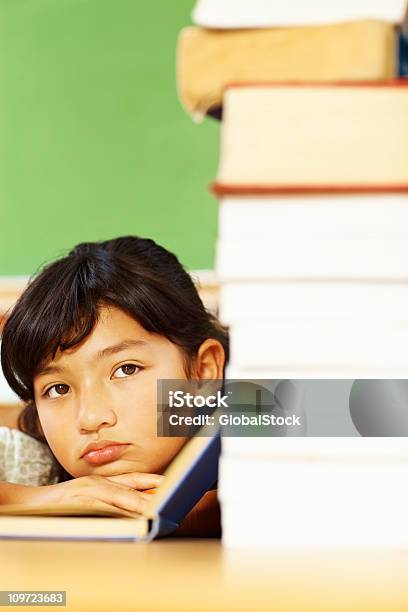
<point>138,480</point>
<point>122,497</point>
<point>96,504</point>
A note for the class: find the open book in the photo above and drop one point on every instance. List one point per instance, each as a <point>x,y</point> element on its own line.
<point>190,475</point>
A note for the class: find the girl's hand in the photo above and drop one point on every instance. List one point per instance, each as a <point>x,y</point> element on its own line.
<point>124,491</point>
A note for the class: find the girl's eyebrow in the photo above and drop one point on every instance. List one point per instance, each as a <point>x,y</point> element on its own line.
<point>117,348</point>
<point>109,350</point>
<point>50,370</point>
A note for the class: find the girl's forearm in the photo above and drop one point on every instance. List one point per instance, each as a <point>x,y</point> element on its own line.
<point>11,493</point>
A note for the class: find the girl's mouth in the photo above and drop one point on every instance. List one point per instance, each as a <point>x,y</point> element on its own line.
<point>105,454</point>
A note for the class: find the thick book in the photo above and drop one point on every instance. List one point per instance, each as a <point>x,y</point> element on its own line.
<point>268,475</point>
<point>320,491</point>
<point>189,476</point>
<point>316,504</point>
<point>209,60</point>
<point>324,370</point>
<point>320,344</point>
<point>277,215</point>
<point>316,137</point>
<point>243,302</point>
<point>271,13</point>
<point>376,256</point>
<point>315,448</point>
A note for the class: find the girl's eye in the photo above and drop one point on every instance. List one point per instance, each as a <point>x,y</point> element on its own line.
<point>126,370</point>
<point>57,391</point>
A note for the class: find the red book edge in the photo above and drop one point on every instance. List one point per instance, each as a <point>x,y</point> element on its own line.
<point>403,82</point>
<point>223,189</point>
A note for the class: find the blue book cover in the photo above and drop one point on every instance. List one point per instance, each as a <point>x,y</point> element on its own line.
<point>403,54</point>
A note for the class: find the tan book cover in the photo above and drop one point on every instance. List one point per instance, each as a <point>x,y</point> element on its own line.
<point>209,60</point>
<point>316,136</point>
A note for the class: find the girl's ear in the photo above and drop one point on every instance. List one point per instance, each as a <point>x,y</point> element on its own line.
<point>209,362</point>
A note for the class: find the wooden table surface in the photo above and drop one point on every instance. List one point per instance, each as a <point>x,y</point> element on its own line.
<point>195,575</point>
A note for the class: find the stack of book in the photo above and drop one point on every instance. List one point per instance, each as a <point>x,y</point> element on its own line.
<point>295,493</point>
<point>312,251</point>
<point>265,41</point>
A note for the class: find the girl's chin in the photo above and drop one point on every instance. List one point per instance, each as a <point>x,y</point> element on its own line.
<point>115,468</point>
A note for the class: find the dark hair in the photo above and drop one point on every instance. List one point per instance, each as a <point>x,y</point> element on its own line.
<point>60,308</point>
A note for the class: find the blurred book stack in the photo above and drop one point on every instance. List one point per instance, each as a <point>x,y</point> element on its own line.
<point>312,250</point>
<point>299,40</point>
<point>297,493</point>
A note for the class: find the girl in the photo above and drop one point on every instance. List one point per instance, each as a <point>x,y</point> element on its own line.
<point>84,347</point>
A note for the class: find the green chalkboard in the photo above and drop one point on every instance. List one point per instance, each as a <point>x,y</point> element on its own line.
<point>93,140</point>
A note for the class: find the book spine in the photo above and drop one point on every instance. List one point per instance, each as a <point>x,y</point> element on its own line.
<point>201,476</point>
<point>403,54</point>
<point>160,528</point>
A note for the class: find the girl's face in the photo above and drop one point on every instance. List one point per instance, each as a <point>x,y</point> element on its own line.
<point>104,390</point>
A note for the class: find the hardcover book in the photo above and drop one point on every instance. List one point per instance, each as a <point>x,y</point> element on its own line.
<point>209,60</point>
<point>190,475</point>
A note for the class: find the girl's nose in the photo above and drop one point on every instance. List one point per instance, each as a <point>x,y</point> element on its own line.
<point>95,413</point>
